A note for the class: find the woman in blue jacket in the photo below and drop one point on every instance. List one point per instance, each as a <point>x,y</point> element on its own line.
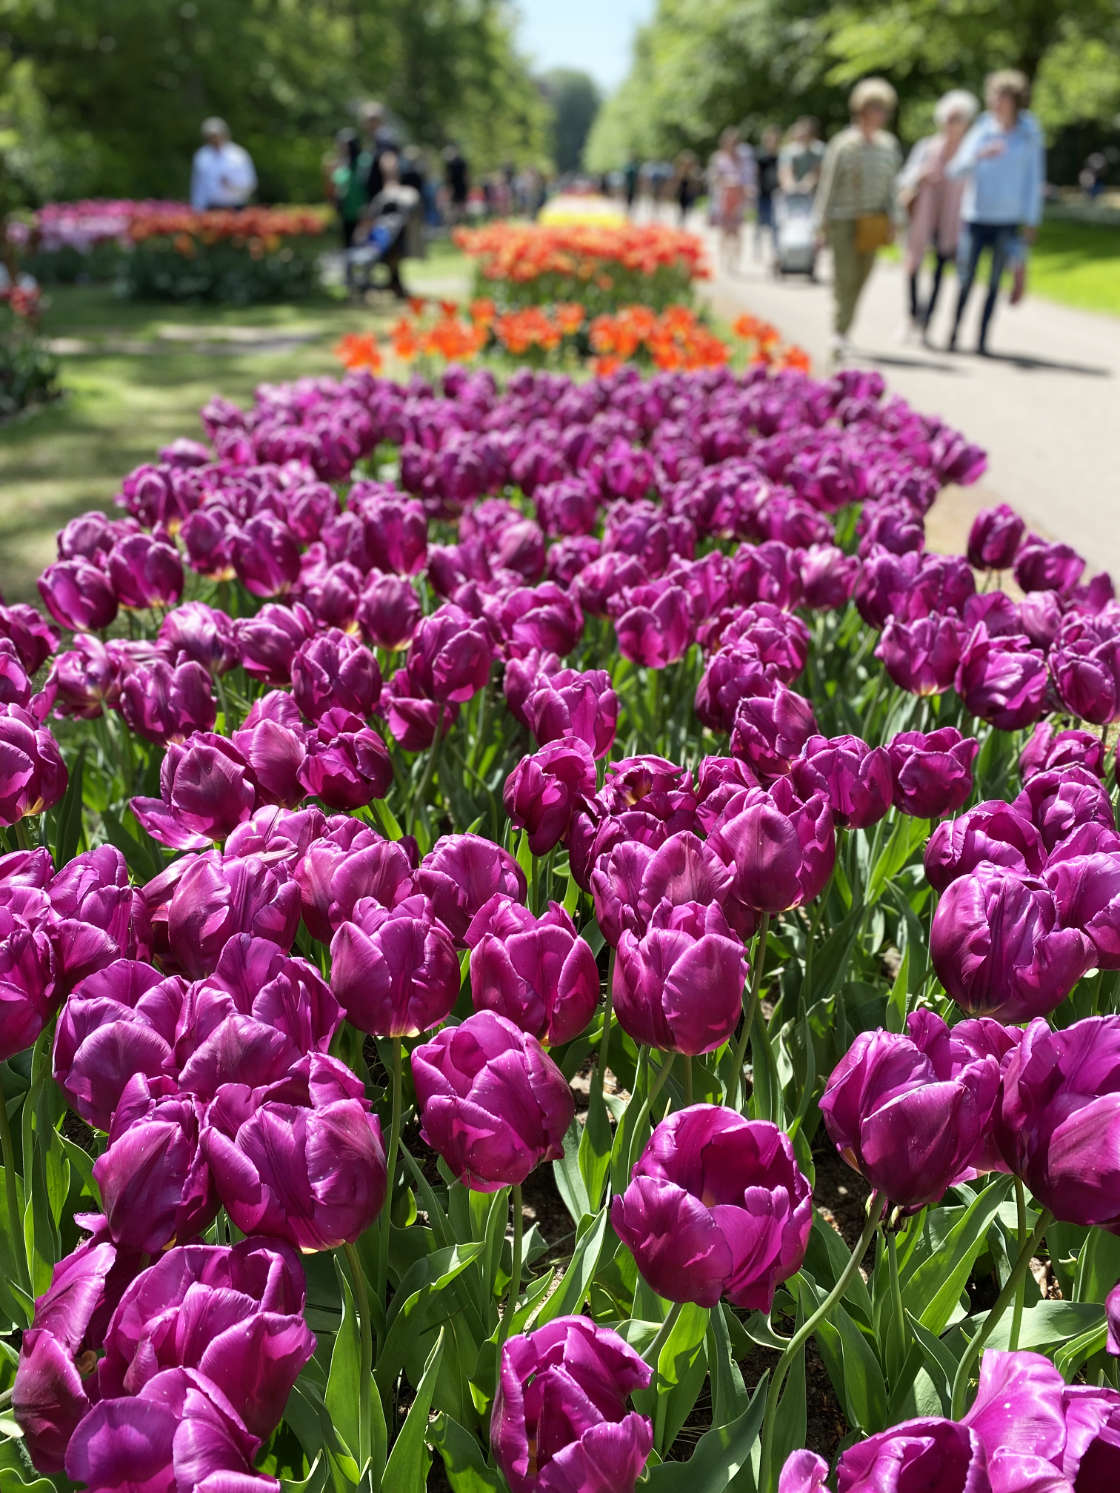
<point>1003,162</point>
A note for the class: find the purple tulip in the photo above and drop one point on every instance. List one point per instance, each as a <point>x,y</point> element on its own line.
<point>252,1020</point>
<point>1002,680</point>
<point>301,1159</point>
<point>270,640</point>
<point>546,787</point>
<point>571,703</point>
<point>145,572</point>
<point>233,1314</point>
<point>1040,566</point>
<point>389,611</point>
<point>492,1103</point>
<point>780,847</point>
<point>462,872</point>
<point>216,898</point>
<point>734,673</point>
<point>828,576</point>
<point>395,972</point>
<point>449,656</point>
<point>994,539</point>
<point>1051,750</point>
<point>179,1432</point>
<point>164,702</point>
<point>560,1422</point>
<point>384,878</point>
<point>29,993</point>
<point>34,638</point>
<point>680,986</point>
<point>770,730</point>
<point>932,771</point>
<point>1087,675</point>
<point>1059,802</point>
<point>33,776</point>
<point>922,655</point>
<point>78,595</point>
<point>266,556</point>
<point>999,948</point>
<point>347,763</point>
<point>905,1115</point>
<point>395,527</point>
<point>918,1456</point>
<point>1086,889</point>
<point>854,777</point>
<point>273,742</point>
<point>1112,1316</point>
<point>538,973</point>
<point>1019,1418</point>
<point>117,1022</point>
<point>633,879</point>
<point>1057,1123</point>
<point>84,679</point>
<point>716,1207</point>
<point>15,686</point>
<point>195,631</point>
<point>154,1182</point>
<point>333,669</point>
<point>656,628</point>
<point>205,790</point>
<point>991,831</point>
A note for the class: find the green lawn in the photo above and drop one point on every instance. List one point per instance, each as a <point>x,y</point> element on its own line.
<point>135,377</point>
<point>1078,264</point>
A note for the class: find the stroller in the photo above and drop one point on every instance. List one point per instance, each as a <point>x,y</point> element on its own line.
<point>381,240</point>
<point>795,250</point>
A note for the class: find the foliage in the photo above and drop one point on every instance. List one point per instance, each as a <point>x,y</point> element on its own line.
<point>28,370</point>
<point>105,97</point>
<point>575,99</point>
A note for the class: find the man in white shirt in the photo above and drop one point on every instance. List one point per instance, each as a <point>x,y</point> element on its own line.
<point>222,175</point>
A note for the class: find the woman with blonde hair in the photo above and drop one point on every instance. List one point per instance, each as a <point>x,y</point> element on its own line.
<point>933,201</point>
<point>1002,162</point>
<point>855,204</point>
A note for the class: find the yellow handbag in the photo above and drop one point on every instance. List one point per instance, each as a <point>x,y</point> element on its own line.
<point>873,231</point>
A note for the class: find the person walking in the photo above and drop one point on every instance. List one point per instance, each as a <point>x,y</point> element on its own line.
<point>766,165</point>
<point>855,202</point>
<point>932,201</point>
<point>222,174</point>
<point>1002,161</point>
<point>348,184</point>
<point>378,141</point>
<point>687,184</point>
<point>457,183</point>
<point>800,160</point>
<point>728,190</point>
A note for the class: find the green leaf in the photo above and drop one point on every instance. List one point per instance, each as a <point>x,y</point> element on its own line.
<point>934,1289</point>
<point>595,1145</point>
<point>423,1300</point>
<point>568,1175</point>
<point>721,1461</point>
<point>344,1387</point>
<point>407,1468</point>
<point>463,1460</point>
<point>573,1288</point>
<point>925,1383</point>
<point>729,1392</point>
<point>1046,1326</point>
<point>853,1367</point>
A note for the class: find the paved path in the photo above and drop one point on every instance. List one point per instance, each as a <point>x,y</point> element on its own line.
<point>1046,408</point>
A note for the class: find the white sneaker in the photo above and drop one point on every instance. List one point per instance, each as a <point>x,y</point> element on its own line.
<point>841,349</point>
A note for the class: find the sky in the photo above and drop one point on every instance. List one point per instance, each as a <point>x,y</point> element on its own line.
<point>591,34</point>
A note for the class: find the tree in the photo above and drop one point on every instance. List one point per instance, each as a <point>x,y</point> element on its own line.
<point>116,89</point>
<point>574,98</point>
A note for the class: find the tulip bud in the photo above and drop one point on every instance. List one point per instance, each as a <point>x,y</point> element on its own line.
<point>932,771</point>
<point>994,539</point>
<point>395,972</point>
<point>537,973</point>
<point>335,670</point>
<point>545,788</point>
<point>33,776</point>
<point>460,873</point>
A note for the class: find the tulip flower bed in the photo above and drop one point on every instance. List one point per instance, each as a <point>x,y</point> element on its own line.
<point>63,242</point>
<point>436,333</point>
<point>475,858</point>
<point>235,258</point>
<point>602,266</point>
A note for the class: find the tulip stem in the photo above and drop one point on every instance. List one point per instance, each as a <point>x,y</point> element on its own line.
<point>896,1298</point>
<point>365,1370</point>
<point>653,1352</point>
<point>751,1011</point>
<point>605,1039</point>
<point>23,839</point>
<point>391,1159</point>
<point>875,1209</point>
<point>1011,1290</point>
<point>517,1220</point>
<point>688,1079</point>
<point>11,1196</point>
<point>430,768</point>
<point>1021,1233</point>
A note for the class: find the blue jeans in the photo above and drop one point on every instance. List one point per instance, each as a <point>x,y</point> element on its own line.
<point>975,238</point>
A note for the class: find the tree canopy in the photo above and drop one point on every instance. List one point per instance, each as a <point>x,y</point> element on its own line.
<point>700,65</point>
<point>106,96</point>
<point>575,98</point>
